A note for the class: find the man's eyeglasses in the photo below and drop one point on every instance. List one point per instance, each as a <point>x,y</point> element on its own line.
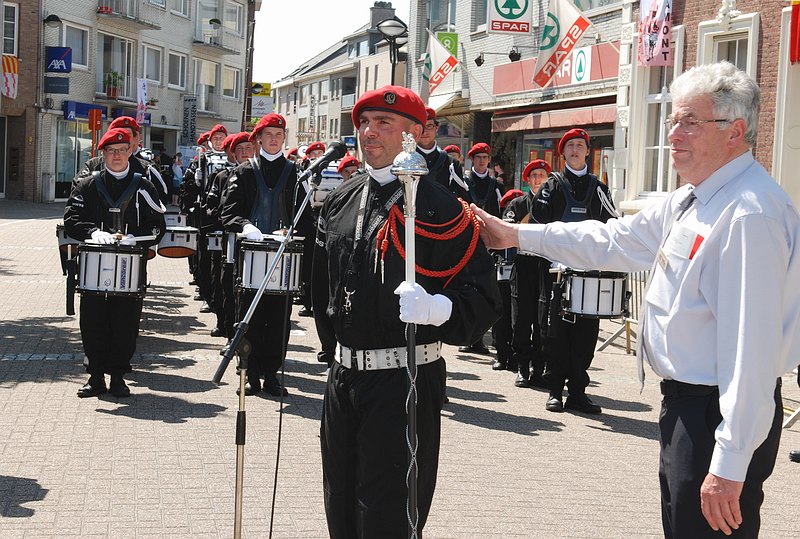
<point>115,151</point>
<point>689,124</point>
<point>431,127</point>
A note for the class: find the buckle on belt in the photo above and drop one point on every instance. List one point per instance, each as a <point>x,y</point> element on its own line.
<point>354,359</point>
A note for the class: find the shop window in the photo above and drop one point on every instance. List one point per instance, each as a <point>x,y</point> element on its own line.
<point>73,149</point>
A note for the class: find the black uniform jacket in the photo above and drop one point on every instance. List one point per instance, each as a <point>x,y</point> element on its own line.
<point>375,321</point>
<point>549,204</point>
<point>213,202</point>
<point>484,193</point>
<point>142,166</point>
<point>87,210</point>
<point>242,191</point>
<point>445,170</point>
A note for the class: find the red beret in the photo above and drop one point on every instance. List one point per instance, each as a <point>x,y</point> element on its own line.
<point>125,121</point>
<point>347,161</point>
<point>533,165</point>
<point>315,146</point>
<point>219,128</point>
<point>571,134</point>
<point>273,119</point>
<point>227,142</point>
<point>431,113</point>
<point>395,99</point>
<point>116,135</point>
<point>480,147</point>
<point>452,149</point>
<point>292,152</point>
<point>203,138</point>
<point>509,196</point>
<point>238,138</point>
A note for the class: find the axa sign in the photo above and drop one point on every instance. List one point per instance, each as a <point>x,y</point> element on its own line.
<point>58,59</point>
<point>510,16</point>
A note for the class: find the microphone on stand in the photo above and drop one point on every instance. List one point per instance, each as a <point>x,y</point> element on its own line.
<point>336,150</point>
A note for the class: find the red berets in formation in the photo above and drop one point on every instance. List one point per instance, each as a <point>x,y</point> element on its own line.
<point>452,148</point>
<point>480,147</point>
<point>510,195</point>
<point>533,165</point>
<point>117,135</point>
<point>315,146</point>
<point>347,161</point>
<point>571,134</point>
<point>395,99</point>
<point>238,138</point>
<point>219,128</point>
<point>273,119</point>
<point>202,139</point>
<point>125,121</point>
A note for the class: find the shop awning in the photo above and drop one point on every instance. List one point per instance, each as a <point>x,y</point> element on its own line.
<point>596,114</point>
<point>439,102</point>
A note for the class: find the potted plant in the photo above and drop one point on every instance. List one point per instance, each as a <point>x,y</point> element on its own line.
<point>113,83</point>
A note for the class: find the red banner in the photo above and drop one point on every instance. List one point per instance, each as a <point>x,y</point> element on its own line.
<point>794,35</point>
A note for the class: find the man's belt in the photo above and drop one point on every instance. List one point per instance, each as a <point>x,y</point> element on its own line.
<point>674,388</point>
<point>385,358</point>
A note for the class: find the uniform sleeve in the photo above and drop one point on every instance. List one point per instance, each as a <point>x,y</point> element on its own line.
<point>235,206</point>
<point>542,211</point>
<point>150,212</point>
<point>320,294</point>
<point>78,217</point>
<point>161,186</point>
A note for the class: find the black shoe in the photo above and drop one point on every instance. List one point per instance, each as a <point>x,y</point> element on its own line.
<point>479,348</point>
<point>198,297</point>
<point>119,388</point>
<point>250,388</point>
<point>305,311</point>
<point>217,332</point>
<point>511,365</point>
<point>582,403</point>
<point>465,349</point>
<point>92,390</point>
<point>537,381</point>
<point>192,283</point>
<point>498,365</point>
<point>794,456</point>
<point>554,404</point>
<point>205,308</point>
<point>274,387</point>
<point>522,381</point>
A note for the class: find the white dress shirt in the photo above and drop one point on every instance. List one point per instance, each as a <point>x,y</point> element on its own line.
<point>723,305</point>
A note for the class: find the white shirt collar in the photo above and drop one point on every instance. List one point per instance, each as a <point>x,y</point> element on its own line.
<point>270,156</point>
<point>480,175</point>
<point>579,173</point>
<point>429,150</point>
<point>119,175</point>
<point>383,175</point>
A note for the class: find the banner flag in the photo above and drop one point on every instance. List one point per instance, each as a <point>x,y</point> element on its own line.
<point>438,64</point>
<point>563,28</point>
<point>655,33</point>
<point>10,76</point>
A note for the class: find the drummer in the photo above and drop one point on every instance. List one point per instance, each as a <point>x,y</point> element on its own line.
<point>259,200</point>
<point>110,324</point>
<point>572,195</point>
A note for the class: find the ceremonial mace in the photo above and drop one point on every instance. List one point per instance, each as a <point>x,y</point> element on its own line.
<point>409,166</point>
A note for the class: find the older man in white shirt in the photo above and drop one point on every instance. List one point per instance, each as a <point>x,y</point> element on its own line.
<point>719,322</point>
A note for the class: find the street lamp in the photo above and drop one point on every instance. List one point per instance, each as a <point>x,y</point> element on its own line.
<point>392,31</point>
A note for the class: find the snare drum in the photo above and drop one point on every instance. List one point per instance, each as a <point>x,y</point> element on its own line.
<point>64,241</point>
<point>596,294</point>
<point>151,252</point>
<point>173,218</point>
<point>178,242</point>
<point>112,270</point>
<point>255,258</point>
<point>215,240</point>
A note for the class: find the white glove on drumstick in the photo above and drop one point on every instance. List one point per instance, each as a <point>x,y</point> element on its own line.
<point>251,232</point>
<point>128,240</point>
<point>419,307</point>
<point>101,236</point>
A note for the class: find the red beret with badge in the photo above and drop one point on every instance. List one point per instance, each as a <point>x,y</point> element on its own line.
<point>126,122</point>
<point>202,139</point>
<point>117,135</point>
<point>238,138</point>
<point>533,165</point>
<point>571,134</point>
<point>431,113</point>
<point>480,147</point>
<point>510,195</point>
<point>394,99</point>
<point>452,148</point>
<point>226,144</point>
<point>273,119</point>
<point>315,146</point>
<point>347,161</point>
<point>292,152</point>
<point>219,128</point>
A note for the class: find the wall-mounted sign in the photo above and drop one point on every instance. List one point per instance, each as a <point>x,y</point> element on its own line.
<point>58,59</point>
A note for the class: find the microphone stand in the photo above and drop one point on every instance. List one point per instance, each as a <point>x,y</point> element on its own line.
<point>242,347</point>
<point>409,166</point>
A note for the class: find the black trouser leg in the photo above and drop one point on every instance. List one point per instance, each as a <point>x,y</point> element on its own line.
<point>687,426</point>
<point>502,333</point>
<point>203,274</point>
<point>581,342</point>
<point>364,451</point>
<point>217,299</point>
<point>268,332</point>
<point>109,327</point>
<point>229,298</point>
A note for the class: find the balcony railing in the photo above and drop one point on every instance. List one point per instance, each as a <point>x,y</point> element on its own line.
<point>348,100</point>
<point>218,41</point>
<point>131,11</point>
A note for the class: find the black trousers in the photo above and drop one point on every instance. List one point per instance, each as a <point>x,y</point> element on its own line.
<point>306,269</point>
<point>364,450</point>
<point>203,270</point>
<point>687,425</point>
<point>217,294</point>
<point>268,332</point>
<point>526,311</point>
<point>502,333</point>
<point>109,327</point>
<point>229,292</point>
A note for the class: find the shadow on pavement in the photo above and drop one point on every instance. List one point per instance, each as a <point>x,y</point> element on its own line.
<point>625,425</point>
<point>5,267</point>
<point>16,491</point>
<point>150,407</point>
<point>498,421</point>
<point>49,335</point>
<point>479,396</point>
<point>145,376</point>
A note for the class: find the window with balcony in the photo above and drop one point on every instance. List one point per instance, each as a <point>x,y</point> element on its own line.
<point>206,76</point>
<point>231,82</point>
<point>114,65</point>
<point>182,7</point>
<point>234,18</point>
<point>10,28</point>
<point>78,39</point>
<point>152,64</point>
<point>206,11</point>
<point>177,70</point>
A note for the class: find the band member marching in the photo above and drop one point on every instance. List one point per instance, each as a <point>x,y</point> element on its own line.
<point>348,166</point>
<point>263,195</point>
<point>568,347</point>
<point>110,324</point>
<point>358,266</point>
<point>441,167</point>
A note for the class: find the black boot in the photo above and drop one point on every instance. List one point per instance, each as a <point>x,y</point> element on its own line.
<point>94,387</point>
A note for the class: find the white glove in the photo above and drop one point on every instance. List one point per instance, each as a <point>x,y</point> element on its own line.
<point>559,266</point>
<point>101,236</point>
<point>128,240</point>
<point>251,232</point>
<point>419,307</point>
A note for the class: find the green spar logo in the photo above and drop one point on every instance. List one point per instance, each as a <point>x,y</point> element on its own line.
<point>507,9</point>
<point>550,32</point>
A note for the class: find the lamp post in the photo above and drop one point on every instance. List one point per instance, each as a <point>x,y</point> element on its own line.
<point>393,30</point>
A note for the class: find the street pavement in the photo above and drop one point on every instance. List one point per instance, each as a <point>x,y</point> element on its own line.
<point>163,462</point>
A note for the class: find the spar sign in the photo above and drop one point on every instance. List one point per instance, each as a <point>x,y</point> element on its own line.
<point>564,27</point>
<point>510,16</point>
